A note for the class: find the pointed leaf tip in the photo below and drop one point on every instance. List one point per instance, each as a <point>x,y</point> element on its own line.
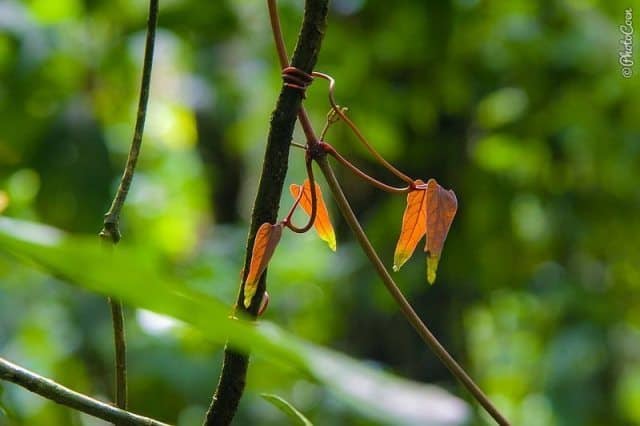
<point>414,226</point>
<point>322,223</point>
<point>432,268</point>
<point>442,206</point>
<point>264,245</point>
<point>248,296</point>
<point>287,408</point>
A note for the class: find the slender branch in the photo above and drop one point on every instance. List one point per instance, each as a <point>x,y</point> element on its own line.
<point>281,48</point>
<point>332,118</point>
<point>404,305</point>
<point>287,219</point>
<point>111,218</point>
<point>297,145</point>
<point>65,396</point>
<point>276,30</point>
<point>120,350</point>
<point>111,226</point>
<point>314,202</point>
<point>265,209</point>
<point>357,131</point>
<point>372,181</point>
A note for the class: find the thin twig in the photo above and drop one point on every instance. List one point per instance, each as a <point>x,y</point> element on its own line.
<point>407,310</point>
<point>120,350</point>
<point>314,202</point>
<point>357,131</point>
<point>332,118</point>
<point>111,226</point>
<point>297,145</point>
<point>372,181</point>
<point>65,396</point>
<point>284,62</point>
<point>112,217</point>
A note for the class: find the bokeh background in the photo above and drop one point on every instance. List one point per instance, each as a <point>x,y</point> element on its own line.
<point>520,107</point>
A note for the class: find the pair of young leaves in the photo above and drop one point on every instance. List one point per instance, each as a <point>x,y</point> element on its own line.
<point>268,235</point>
<point>430,211</point>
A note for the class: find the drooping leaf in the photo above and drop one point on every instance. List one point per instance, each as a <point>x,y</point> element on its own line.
<point>130,274</point>
<point>441,209</point>
<point>283,405</point>
<point>264,245</point>
<point>414,226</point>
<point>322,223</point>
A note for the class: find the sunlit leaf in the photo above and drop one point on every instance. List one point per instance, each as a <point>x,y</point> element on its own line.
<point>441,209</point>
<point>138,279</point>
<point>414,226</point>
<point>296,416</point>
<point>264,245</point>
<point>322,222</point>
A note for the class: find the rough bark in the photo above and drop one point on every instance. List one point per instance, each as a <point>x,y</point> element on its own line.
<point>274,169</point>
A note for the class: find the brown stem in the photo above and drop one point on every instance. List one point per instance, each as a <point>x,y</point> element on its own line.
<point>65,396</point>
<point>357,131</point>
<point>405,307</point>
<point>276,30</point>
<point>265,208</point>
<point>283,58</point>
<point>314,203</point>
<point>372,181</point>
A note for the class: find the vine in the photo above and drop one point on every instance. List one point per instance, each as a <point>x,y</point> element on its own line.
<point>110,232</point>
<point>429,213</point>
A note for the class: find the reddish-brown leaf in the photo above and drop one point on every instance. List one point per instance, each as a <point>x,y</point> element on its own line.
<point>414,226</point>
<point>441,209</point>
<point>322,223</point>
<point>265,243</point>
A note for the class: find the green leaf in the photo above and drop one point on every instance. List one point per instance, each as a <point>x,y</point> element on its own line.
<point>136,277</point>
<point>286,407</point>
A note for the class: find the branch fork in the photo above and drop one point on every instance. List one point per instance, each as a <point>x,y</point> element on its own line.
<point>233,375</point>
<point>317,150</point>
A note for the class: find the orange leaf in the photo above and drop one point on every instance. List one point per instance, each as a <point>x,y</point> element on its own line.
<point>441,209</point>
<point>264,245</point>
<point>322,222</point>
<point>414,226</point>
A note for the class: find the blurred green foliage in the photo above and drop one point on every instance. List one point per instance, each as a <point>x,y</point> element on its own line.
<point>518,106</point>
<point>131,275</point>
